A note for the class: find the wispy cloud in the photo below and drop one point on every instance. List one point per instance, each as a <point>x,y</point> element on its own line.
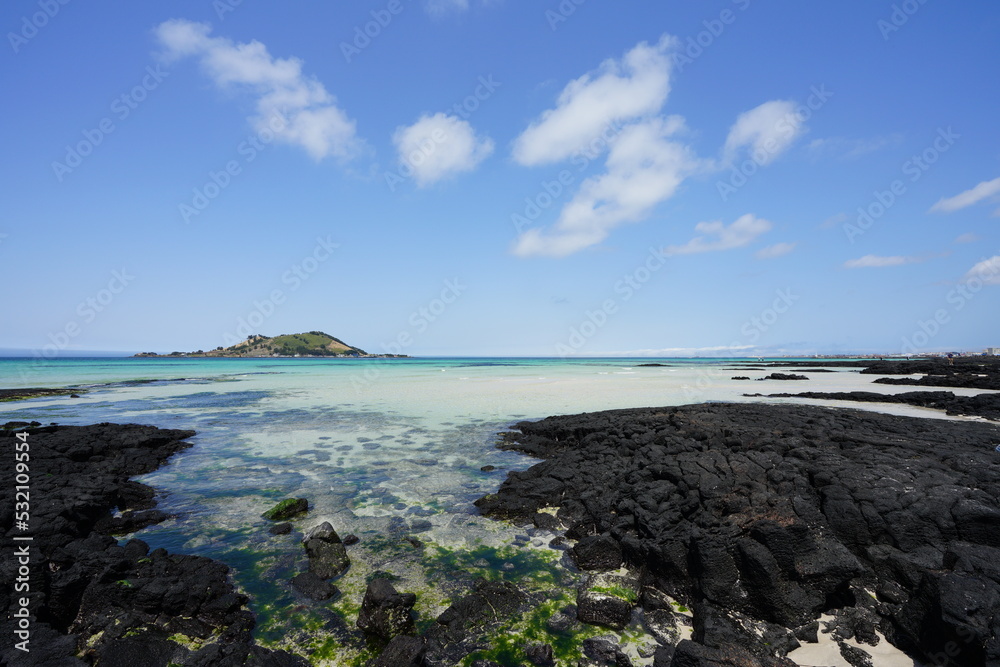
<point>776,250</point>
<point>767,131</point>
<point>621,90</point>
<point>968,238</point>
<point>619,108</point>
<point>311,118</point>
<point>987,271</point>
<point>644,168</point>
<point>965,199</point>
<point>876,262</point>
<point>717,236</point>
<point>834,221</point>
<point>849,149</point>
<point>437,7</point>
<point>713,350</point>
<point>439,146</point>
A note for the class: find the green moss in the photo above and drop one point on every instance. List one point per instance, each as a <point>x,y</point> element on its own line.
<point>619,592</point>
<point>191,643</point>
<point>529,568</point>
<point>506,643</point>
<point>125,583</point>
<point>287,509</point>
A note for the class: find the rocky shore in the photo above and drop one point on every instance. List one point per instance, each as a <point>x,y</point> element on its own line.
<point>763,519</point>
<point>986,406</point>
<point>714,535</point>
<point>36,392</point>
<point>92,600</point>
<point>965,372</point>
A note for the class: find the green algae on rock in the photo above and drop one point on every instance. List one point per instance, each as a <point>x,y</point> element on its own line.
<point>286,509</point>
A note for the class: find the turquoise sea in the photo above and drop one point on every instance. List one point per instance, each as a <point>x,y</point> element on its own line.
<point>389,450</point>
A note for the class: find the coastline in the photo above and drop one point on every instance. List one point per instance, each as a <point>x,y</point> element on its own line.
<point>738,556</point>
<point>764,518</point>
<point>543,608</point>
<point>89,597</point>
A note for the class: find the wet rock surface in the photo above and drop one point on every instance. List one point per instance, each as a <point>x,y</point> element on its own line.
<point>94,600</point>
<point>287,509</point>
<point>968,372</point>
<point>385,612</point>
<point>327,554</point>
<point>762,518</point>
<point>784,376</point>
<point>403,651</point>
<point>471,621</point>
<point>36,392</point>
<point>983,405</point>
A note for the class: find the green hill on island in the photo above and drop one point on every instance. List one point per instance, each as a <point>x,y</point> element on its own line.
<point>311,344</point>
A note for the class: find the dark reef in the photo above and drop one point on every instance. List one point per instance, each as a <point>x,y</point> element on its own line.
<point>760,518</point>
<point>94,601</point>
<point>982,405</point>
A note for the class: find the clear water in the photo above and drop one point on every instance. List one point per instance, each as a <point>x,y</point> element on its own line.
<point>379,447</point>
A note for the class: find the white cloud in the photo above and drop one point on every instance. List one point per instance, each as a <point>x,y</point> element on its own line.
<point>987,271</point>
<point>777,250</point>
<point>717,236</point>
<point>875,261</point>
<point>439,146</point>
<point>437,7</point>
<point>666,352</point>
<point>767,130</point>
<point>296,107</point>
<point>849,149</point>
<point>969,197</point>
<point>833,221</point>
<point>643,168</point>
<point>634,87</point>
<point>968,238</point>
<point>619,107</point>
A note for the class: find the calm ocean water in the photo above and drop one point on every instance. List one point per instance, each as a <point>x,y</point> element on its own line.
<point>381,448</point>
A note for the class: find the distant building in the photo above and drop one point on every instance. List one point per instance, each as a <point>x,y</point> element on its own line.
<point>995,351</point>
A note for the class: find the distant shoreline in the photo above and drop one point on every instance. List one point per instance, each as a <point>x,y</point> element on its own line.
<point>189,355</point>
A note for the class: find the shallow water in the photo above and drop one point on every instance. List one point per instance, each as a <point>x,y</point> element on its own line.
<point>384,449</point>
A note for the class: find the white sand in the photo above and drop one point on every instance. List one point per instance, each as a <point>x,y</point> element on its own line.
<point>826,653</point>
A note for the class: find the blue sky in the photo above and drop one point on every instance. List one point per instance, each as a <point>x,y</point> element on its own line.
<point>473,177</point>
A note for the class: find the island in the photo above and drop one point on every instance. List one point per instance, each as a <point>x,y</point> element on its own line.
<point>310,344</point>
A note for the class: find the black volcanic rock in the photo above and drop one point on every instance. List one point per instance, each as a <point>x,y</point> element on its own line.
<point>597,552</point>
<point>385,612</point>
<point>967,372</point>
<point>607,599</point>
<point>280,529</point>
<point>471,620</point>
<point>20,394</point>
<point>287,509</point>
<point>314,588</point>
<point>965,380</point>
<point>982,405</point>
<point>780,513</point>
<point>327,553</point>
<point>95,599</point>
<point>539,654</point>
<point>402,651</point>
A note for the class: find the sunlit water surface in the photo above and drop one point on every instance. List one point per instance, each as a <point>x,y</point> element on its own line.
<point>388,450</point>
